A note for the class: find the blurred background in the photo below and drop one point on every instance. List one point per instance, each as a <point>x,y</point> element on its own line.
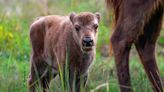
<point>15,19</point>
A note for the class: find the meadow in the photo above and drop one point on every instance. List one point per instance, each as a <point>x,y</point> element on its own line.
<point>15,19</point>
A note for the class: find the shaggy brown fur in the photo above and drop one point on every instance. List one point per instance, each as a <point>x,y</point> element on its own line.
<point>138,22</point>
<point>57,39</point>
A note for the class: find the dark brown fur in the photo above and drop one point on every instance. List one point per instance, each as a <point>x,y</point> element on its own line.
<point>54,41</point>
<point>137,22</point>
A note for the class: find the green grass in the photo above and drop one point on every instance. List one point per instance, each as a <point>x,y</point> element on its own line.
<point>14,74</point>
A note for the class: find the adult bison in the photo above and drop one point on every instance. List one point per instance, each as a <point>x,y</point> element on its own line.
<point>137,22</point>
<point>58,41</point>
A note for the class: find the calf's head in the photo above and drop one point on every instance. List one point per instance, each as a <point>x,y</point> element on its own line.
<point>85,28</point>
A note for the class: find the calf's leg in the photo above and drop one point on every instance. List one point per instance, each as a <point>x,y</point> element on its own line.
<point>40,73</point>
<point>77,82</point>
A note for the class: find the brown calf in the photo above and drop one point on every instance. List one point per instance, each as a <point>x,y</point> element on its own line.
<point>57,39</point>
<point>138,22</point>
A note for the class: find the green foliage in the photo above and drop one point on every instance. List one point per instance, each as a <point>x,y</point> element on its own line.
<point>14,38</point>
<point>103,34</point>
<point>161,40</point>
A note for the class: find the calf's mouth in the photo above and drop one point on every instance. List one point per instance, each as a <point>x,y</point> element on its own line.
<point>88,46</point>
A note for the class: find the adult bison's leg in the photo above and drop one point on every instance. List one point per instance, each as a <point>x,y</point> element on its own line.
<point>121,51</point>
<point>146,49</point>
<point>126,32</point>
<point>147,56</point>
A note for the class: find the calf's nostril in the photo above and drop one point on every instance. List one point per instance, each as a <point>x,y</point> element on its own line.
<point>87,42</point>
<point>91,43</point>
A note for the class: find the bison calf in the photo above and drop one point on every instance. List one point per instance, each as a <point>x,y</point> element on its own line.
<point>58,41</point>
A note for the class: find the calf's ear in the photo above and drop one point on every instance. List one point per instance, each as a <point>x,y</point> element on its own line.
<point>98,15</point>
<point>71,16</point>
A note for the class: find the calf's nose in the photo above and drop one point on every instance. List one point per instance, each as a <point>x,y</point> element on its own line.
<point>87,42</point>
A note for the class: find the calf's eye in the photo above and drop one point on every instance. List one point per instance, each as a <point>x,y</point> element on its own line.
<point>77,28</point>
<point>95,26</point>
